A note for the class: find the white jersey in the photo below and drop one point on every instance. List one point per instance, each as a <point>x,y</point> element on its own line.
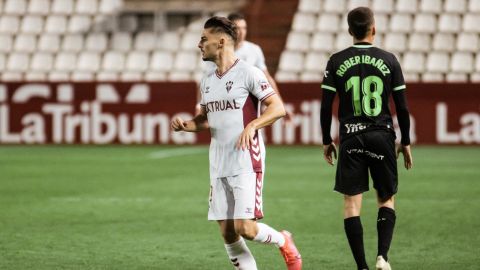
<point>231,101</point>
<point>250,52</point>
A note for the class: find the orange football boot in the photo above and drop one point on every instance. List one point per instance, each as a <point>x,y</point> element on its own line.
<point>290,253</point>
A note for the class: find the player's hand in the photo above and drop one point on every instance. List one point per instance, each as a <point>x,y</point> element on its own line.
<point>178,124</point>
<point>329,153</point>
<point>288,115</point>
<point>246,138</point>
<point>407,155</point>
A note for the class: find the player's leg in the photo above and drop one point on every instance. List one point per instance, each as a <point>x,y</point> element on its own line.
<point>352,180</point>
<point>385,226</point>
<point>221,209</point>
<point>354,229</point>
<point>262,233</point>
<point>248,208</point>
<point>259,232</point>
<point>237,250</point>
<point>383,168</point>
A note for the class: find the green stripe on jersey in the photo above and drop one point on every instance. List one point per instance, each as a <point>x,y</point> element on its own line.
<point>329,88</point>
<point>362,46</point>
<point>399,87</point>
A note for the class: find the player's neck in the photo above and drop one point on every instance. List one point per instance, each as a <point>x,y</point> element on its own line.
<point>367,39</point>
<point>239,45</point>
<point>225,61</point>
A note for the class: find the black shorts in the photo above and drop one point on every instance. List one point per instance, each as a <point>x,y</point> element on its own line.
<point>374,150</point>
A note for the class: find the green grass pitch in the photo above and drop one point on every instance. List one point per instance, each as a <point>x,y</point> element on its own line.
<point>117,207</point>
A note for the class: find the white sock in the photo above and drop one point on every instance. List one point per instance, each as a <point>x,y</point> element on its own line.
<point>240,256</point>
<point>268,235</point>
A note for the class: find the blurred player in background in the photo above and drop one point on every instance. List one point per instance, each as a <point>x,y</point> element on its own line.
<point>230,97</point>
<point>249,52</point>
<point>364,78</point>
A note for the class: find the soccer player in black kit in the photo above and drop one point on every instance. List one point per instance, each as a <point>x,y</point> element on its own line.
<point>364,77</point>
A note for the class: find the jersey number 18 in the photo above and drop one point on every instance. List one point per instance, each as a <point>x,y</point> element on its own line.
<point>369,94</point>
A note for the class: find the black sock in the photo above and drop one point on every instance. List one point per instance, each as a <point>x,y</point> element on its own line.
<point>354,231</point>
<point>385,224</point>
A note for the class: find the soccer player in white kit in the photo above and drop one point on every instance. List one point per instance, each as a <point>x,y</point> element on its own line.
<point>249,52</point>
<point>230,102</point>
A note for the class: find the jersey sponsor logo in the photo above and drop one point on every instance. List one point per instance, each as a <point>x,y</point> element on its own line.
<point>228,86</point>
<point>221,105</point>
<point>363,59</point>
<point>264,85</point>
<point>352,128</point>
<point>366,152</point>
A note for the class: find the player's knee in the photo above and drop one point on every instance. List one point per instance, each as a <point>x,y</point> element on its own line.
<point>352,206</point>
<point>230,236</point>
<point>386,202</point>
<point>246,230</point>
<point>351,211</point>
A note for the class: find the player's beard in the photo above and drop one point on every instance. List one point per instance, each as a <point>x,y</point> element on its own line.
<point>208,58</point>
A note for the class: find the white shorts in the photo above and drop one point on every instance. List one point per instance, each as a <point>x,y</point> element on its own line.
<point>236,197</point>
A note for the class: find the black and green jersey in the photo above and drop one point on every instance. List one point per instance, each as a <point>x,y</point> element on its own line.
<point>364,77</point>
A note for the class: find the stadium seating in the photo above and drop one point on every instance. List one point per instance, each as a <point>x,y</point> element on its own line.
<point>39,7</point>
<point>419,42</point>
<point>6,43</point>
<point>32,24</point>
<point>9,24</point>
<point>56,24</point>
<point>434,40</point>
<point>42,62</point>
<point>431,6</point>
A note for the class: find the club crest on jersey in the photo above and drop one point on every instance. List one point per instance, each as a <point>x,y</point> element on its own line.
<point>207,89</point>
<point>229,86</point>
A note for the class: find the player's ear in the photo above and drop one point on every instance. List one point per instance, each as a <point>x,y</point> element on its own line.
<point>221,43</point>
<point>373,30</point>
<point>350,31</point>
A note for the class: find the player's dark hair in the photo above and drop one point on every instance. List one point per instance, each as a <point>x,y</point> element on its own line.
<point>360,21</point>
<point>235,16</point>
<point>222,25</point>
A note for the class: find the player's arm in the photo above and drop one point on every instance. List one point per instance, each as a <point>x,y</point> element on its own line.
<point>329,149</point>
<point>274,110</point>
<point>198,107</point>
<point>328,95</point>
<point>403,117</point>
<point>198,123</point>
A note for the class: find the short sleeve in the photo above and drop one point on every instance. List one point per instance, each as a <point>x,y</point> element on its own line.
<point>328,82</point>
<point>398,82</point>
<point>258,84</point>
<point>260,61</point>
